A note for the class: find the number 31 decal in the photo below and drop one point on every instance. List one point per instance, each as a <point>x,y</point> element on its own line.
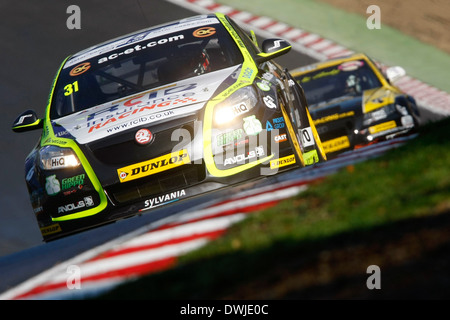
<point>71,88</point>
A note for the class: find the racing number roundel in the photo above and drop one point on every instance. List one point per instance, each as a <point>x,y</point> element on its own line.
<point>143,136</point>
<point>79,69</point>
<point>204,32</point>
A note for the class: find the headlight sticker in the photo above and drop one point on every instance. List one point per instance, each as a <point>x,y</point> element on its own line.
<point>52,185</point>
<point>252,126</point>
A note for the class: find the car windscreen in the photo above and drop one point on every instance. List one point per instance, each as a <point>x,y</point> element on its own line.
<point>347,79</point>
<point>142,65</point>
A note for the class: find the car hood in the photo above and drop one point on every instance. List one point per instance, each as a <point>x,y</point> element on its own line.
<point>151,106</point>
<point>344,106</point>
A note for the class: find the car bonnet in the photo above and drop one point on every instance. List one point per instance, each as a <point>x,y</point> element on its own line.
<point>148,107</point>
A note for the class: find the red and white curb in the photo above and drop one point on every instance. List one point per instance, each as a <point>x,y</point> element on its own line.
<point>317,47</point>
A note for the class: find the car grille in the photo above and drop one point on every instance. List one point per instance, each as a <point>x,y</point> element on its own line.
<point>121,149</point>
<point>174,179</point>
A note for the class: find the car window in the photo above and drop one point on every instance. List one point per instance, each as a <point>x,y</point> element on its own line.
<point>143,65</point>
<point>344,80</point>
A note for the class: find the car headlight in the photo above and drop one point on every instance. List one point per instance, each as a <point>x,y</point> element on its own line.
<point>378,114</point>
<point>240,102</point>
<point>53,157</point>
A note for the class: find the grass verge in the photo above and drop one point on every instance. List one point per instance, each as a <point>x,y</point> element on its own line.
<point>392,211</point>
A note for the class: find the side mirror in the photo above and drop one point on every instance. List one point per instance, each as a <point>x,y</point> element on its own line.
<point>272,48</point>
<point>27,121</point>
<point>395,73</point>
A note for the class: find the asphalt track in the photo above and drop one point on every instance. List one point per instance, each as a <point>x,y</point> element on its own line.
<point>32,48</point>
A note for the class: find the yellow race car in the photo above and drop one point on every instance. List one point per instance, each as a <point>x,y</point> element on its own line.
<point>353,103</point>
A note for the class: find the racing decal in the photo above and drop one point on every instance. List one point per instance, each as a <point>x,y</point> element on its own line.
<point>52,185</point>
<point>146,168</point>
<point>204,32</point>
<point>98,124</point>
<point>143,136</point>
<point>252,126</point>
<point>269,101</point>
<point>281,162</point>
<point>319,75</point>
<point>147,101</point>
<point>336,144</point>
<point>86,202</point>
<point>334,117</point>
<point>73,182</point>
<point>264,85</point>
<point>139,47</point>
<point>226,114</point>
<point>143,108</point>
<point>71,88</point>
<point>278,123</point>
<point>229,137</point>
<point>48,230</point>
<point>307,137</point>
<point>311,157</point>
<point>241,158</point>
<point>280,138</point>
<point>247,73</point>
<point>79,69</point>
<point>62,162</point>
<point>163,199</point>
<point>383,127</point>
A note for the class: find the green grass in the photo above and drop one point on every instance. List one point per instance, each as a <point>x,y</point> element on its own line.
<point>405,184</point>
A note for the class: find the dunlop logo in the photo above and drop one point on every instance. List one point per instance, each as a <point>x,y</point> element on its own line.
<point>281,162</point>
<point>146,168</point>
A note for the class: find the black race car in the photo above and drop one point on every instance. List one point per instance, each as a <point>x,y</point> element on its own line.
<point>160,115</point>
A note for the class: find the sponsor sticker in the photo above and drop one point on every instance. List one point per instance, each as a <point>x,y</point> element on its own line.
<point>52,185</point>
<point>143,136</point>
<point>147,168</point>
<point>281,162</point>
<point>252,126</point>
<point>280,138</point>
<point>336,144</point>
<point>79,69</point>
<point>270,102</point>
<point>163,199</point>
<point>86,202</point>
<point>383,127</point>
<point>204,32</point>
<point>54,228</point>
